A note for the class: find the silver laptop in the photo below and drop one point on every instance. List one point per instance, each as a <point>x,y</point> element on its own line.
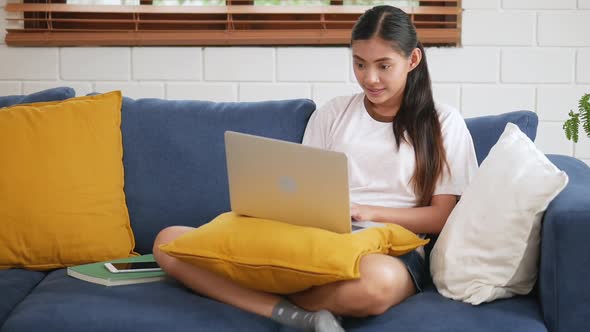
<point>288,182</point>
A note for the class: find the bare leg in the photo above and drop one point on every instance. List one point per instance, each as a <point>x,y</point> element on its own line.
<point>384,282</point>
<point>225,290</point>
<point>208,283</point>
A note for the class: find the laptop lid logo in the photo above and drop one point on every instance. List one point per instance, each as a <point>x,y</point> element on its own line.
<point>287,184</point>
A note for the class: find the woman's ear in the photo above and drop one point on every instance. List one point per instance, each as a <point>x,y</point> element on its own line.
<point>415,59</point>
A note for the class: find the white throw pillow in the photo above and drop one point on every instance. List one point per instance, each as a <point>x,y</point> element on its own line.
<point>489,247</point>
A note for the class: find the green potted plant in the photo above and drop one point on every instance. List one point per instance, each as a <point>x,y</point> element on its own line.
<point>572,125</point>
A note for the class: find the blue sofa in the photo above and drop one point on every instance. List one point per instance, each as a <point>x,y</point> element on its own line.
<point>175,174</point>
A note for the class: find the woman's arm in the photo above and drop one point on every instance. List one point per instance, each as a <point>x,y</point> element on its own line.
<point>427,219</point>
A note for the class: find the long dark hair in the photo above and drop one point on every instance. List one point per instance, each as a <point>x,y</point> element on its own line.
<point>416,122</point>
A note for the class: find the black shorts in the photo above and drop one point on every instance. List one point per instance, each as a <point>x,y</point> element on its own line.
<point>416,265</point>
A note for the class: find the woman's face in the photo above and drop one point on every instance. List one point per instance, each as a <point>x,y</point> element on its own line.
<point>381,71</point>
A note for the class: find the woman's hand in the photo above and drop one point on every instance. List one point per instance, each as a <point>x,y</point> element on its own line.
<point>359,212</point>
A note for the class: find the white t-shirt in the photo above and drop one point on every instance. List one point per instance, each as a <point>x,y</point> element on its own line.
<point>379,174</point>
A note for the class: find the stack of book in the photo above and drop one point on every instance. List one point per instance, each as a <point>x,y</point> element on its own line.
<point>97,273</point>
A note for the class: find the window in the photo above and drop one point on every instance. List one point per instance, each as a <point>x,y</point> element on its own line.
<point>213,22</point>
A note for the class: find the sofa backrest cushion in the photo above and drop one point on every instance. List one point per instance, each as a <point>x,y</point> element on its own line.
<point>486,130</point>
<point>53,94</point>
<point>174,156</point>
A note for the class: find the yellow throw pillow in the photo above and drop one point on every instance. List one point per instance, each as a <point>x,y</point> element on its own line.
<point>282,258</point>
<point>61,184</point>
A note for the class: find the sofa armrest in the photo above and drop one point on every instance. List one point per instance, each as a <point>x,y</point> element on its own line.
<point>564,275</point>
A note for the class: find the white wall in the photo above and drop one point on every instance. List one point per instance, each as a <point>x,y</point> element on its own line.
<point>516,54</point>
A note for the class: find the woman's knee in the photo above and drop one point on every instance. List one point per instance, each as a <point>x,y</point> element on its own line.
<point>385,282</point>
<point>167,235</point>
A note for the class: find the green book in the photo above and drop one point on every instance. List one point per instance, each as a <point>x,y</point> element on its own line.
<point>97,273</point>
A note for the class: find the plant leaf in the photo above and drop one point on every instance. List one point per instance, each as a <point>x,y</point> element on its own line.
<point>571,126</point>
<point>584,111</point>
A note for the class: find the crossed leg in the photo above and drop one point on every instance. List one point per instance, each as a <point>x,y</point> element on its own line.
<point>384,282</point>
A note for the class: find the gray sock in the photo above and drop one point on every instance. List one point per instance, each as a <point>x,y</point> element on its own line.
<point>291,315</point>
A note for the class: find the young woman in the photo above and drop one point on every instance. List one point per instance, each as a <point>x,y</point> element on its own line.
<point>409,160</point>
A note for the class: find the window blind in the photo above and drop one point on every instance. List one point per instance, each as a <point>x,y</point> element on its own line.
<point>236,22</point>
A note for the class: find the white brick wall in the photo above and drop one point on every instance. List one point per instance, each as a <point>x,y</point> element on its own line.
<point>583,66</point>
<point>516,54</point>
<point>509,28</point>
<point>313,64</point>
<point>10,88</point>
<point>95,63</point>
<point>239,64</point>
<point>564,29</point>
<point>448,94</point>
<point>204,91</point>
<point>273,91</point>
<point>555,101</point>
<point>28,63</point>
<point>539,4</point>
<point>170,63</point>
<point>486,99</point>
<point>481,4</point>
<point>2,22</point>
<point>469,64</point>
<point>582,149</point>
<point>537,65</point>
<point>551,139</point>
<point>133,89</point>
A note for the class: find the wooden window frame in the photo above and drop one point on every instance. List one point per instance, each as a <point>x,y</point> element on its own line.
<point>239,22</point>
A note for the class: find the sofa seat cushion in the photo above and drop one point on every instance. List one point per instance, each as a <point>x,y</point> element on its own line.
<point>15,285</point>
<point>175,168</point>
<point>431,312</point>
<point>62,303</point>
